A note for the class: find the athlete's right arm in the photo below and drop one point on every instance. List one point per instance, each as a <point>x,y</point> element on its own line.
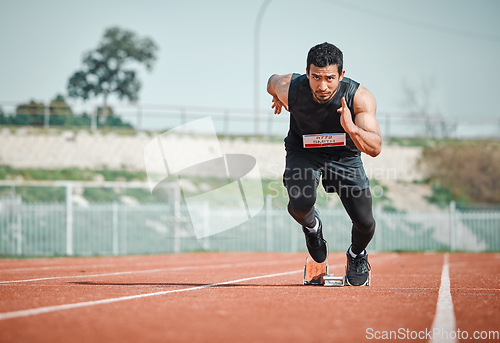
<point>278,86</point>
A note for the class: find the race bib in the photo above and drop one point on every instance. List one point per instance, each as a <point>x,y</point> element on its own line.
<point>324,140</point>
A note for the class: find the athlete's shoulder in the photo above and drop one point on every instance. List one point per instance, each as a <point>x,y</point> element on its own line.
<point>364,99</point>
<point>299,79</point>
<point>348,89</point>
<point>350,83</point>
<point>297,82</point>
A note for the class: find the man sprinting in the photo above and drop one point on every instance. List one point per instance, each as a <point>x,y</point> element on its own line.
<point>332,121</point>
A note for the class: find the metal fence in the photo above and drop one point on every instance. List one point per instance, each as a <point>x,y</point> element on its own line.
<point>118,229</point>
<point>241,121</point>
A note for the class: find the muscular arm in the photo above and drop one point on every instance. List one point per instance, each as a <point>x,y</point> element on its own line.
<point>364,131</point>
<point>277,87</point>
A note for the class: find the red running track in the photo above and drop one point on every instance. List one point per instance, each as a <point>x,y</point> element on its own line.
<point>248,297</point>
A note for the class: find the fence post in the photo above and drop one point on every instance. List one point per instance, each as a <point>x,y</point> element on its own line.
<point>115,228</point>
<point>206,225</point>
<point>451,223</point>
<point>93,121</point>
<point>69,219</point>
<point>46,117</point>
<point>177,219</point>
<point>18,233</point>
<point>269,223</point>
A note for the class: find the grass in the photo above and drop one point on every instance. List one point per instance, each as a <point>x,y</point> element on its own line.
<point>70,174</point>
<point>271,188</point>
<point>48,194</point>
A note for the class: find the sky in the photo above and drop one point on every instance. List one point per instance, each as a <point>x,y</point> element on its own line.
<point>445,51</point>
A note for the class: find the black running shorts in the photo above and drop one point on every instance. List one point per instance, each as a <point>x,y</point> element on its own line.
<point>337,173</point>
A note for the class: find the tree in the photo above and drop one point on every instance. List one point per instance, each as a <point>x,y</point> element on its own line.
<point>419,103</point>
<point>60,112</point>
<point>30,114</point>
<point>106,69</point>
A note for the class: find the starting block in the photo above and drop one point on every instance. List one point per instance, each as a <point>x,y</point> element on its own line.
<point>317,274</point>
<point>334,281</point>
<point>314,272</point>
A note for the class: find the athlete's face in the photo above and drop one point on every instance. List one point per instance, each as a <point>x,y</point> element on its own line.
<point>324,81</point>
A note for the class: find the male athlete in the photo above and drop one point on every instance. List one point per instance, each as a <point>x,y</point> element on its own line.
<point>332,120</point>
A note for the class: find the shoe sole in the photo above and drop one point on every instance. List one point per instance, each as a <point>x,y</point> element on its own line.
<point>366,283</point>
<point>326,244</point>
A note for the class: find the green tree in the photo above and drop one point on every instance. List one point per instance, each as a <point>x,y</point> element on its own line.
<point>60,111</point>
<point>81,120</point>
<point>31,113</point>
<point>107,69</point>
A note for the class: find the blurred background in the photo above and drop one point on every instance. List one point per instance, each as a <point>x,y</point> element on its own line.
<point>85,87</point>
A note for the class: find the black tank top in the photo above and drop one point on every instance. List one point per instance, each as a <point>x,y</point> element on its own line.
<point>308,116</point>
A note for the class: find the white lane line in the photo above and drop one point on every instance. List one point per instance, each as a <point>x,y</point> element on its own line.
<point>92,275</point>
<point>103,265</point>
<point>443,326</point>
<point>136,262</point>
<point>47,309</point>
<point>225,265</point>
<point>106,265</point>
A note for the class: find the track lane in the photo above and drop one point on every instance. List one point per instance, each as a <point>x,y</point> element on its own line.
<point>32,269</point>
<point>403,295</point>
<point>56,290</point>
<point>475,289</point>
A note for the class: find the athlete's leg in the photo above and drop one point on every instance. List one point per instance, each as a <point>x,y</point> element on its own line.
<point>301,181</point>
<point>358,204</point>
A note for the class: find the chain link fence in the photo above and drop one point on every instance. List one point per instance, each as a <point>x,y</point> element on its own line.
<point>228,121</point>
<point>118,229</point>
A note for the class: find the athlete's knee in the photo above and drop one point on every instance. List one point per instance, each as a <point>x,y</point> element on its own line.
<point>365,224</point>
<point>359,205</point>
<point>300,201</point>
<point>303,216</point>
<point>301,207</point>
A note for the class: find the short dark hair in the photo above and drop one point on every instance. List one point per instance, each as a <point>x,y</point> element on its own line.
<point>325,54</point>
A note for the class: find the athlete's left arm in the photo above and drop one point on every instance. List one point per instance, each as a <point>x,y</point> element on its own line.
<point>364,131</point>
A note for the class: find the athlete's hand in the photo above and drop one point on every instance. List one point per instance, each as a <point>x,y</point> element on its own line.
<point>277,105</point>
<point>346,117</point>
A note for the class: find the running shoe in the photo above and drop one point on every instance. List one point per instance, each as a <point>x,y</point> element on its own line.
<point>358,270</point>
<point>315,243</point>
